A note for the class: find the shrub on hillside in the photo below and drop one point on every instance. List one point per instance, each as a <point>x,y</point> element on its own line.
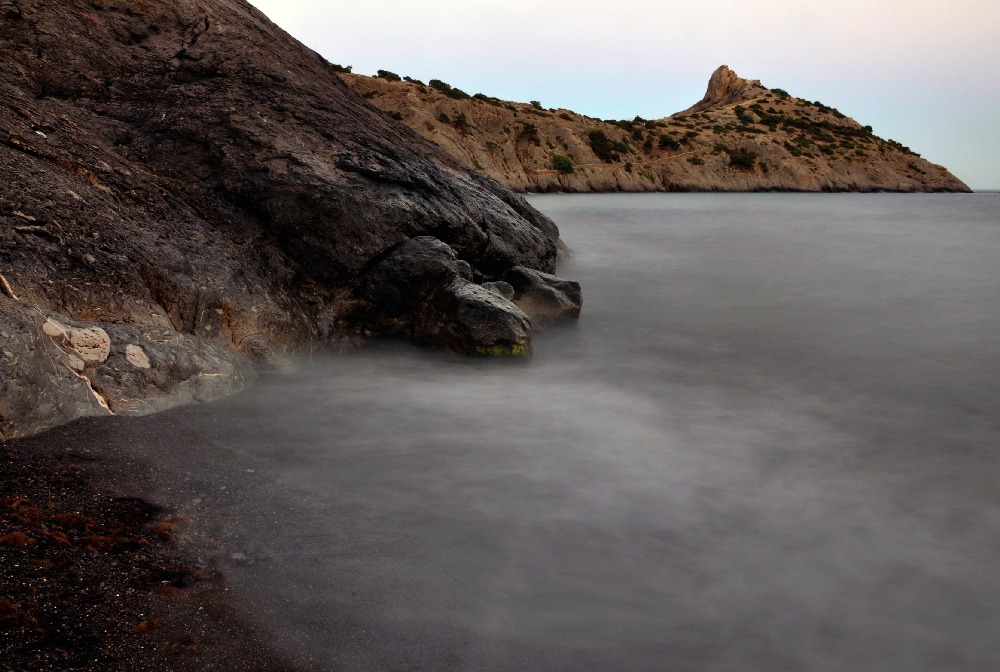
<point>602,146</point>
<point>388,76</point>
<point>448,90</point>
<point>666,142</point>
<point>742,159</point>
<point>563,164</point>
<point>530,133</point>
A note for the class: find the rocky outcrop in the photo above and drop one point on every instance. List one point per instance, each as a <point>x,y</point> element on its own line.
<point>423,291</point>
<point>741,136</point>
<point>184,182</point>
<point>725,87</point>
<point>544,298</point>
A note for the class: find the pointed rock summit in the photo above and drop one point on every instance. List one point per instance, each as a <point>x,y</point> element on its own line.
<point>725,87</point>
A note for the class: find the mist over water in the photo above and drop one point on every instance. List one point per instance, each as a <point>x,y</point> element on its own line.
<point>771,443</point>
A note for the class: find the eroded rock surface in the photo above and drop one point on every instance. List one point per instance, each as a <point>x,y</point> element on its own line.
<point>183,177</point>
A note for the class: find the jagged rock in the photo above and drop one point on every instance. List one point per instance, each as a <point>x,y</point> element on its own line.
<point>473,320</point>
<point>544,298</point>
<point>725,87</point>
<point>796,146</point>
<point>185,169</point>
<point>422,290</point>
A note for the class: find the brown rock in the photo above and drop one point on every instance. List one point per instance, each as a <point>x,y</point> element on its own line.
<point>790,144</point>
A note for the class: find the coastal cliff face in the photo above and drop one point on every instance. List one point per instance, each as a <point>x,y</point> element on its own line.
<point>186,188</point>
<point>740,137</point>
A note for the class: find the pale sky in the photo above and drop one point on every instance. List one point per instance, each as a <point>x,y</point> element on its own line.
<point>923,72</point>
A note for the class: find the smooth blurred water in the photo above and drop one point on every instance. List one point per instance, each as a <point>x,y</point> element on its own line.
<point>771,443</point>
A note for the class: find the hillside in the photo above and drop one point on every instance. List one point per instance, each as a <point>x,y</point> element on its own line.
<point>188,188</point>
<point>741,136</point>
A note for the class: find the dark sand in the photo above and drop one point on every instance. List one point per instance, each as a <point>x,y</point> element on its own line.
<point>92,576</point>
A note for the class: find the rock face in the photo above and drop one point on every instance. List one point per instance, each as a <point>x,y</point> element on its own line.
<point>740,137</point>
<point>725,87</point>
<point>183,182</point>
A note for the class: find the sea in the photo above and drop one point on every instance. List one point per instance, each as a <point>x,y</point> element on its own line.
<point>771,443</point>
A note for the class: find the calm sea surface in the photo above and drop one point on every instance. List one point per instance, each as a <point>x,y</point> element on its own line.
<point>772,443</point>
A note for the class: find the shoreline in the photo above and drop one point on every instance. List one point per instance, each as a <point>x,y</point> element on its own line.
<point>93,576</point>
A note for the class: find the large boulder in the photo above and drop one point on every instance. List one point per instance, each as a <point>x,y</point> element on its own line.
<point>544,298</point>
<point>187,170</point>
<point>422,290</point>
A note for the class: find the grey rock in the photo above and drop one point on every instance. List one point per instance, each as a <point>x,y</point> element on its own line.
<point>500,287</point>
<point>470,319</point>
<point>544,298</point>
<point>422,290</point>
<point>44,382</point>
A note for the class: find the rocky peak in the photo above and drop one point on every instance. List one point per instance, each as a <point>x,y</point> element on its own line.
<point>725,87</point>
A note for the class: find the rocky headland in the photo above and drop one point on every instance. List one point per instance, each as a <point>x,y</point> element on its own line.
<point>189,191</point>
<point>741,136</point>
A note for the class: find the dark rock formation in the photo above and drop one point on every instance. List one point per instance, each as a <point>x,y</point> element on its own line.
<point>186,177</point>
<point>422,290</point>
<point>544,298</point>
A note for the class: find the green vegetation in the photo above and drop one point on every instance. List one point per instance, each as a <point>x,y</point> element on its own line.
<point>448,90</point>
<point>666,142</point>
<point>742,159</point>
<point>337,67</point>
<point>739,159</point>
<point>900,147</point>
<point>398,116</point>
<point>490,100</point>
<point>413,81</point>
<point>388,76</point>
<point>741,114</point>
<point>512,350</point>
<point>602,146</point>
<point>530,133</point>
<point>537,105</point>
<point>563,164</point>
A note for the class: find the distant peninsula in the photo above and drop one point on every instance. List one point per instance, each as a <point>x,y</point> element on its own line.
<point>742,136</point>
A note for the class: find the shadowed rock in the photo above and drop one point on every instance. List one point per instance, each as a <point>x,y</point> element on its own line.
<point>422,290</point>
<point>185,170</point>
<point>544,298</point>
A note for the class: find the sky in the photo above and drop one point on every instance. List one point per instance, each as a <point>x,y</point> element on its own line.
<point>923,72</point>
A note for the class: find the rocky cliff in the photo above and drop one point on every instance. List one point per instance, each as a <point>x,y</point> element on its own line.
<point>187,188</point>
<point>741,136</point>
